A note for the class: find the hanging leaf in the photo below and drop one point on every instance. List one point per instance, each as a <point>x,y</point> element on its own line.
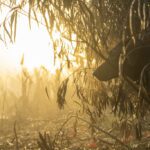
<point>22,60</point>
<point>7,32</point>
<point>31,5</point>
<point>46,90</point>
<point>11,22</point>
<point>35,17</point>
<point>15,25</point>
<point>29,14</point>
<point>62,93</point>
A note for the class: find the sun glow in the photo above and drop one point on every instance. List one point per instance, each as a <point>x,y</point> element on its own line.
<point>36,48</point>
<point>35,45</point>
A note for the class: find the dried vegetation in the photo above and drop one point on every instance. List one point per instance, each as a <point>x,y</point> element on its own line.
<point>115,116</point>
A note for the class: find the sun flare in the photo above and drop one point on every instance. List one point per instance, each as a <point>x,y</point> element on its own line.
<point>35,45</point>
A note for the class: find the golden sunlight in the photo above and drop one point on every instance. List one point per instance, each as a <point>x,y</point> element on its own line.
<point>36,48</point>
<point>34,45</point>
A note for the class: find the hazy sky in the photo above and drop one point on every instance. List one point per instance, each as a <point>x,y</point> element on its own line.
<point>34,44</point>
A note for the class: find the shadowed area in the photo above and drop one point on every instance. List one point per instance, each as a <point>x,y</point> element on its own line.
<point>137,56</point>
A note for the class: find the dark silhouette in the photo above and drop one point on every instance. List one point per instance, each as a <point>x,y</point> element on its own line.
<point>137,56</point>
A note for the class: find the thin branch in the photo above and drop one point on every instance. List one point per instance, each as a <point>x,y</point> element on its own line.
<point>95,126</point>
<point>16,136</point>
<point>136,87</point>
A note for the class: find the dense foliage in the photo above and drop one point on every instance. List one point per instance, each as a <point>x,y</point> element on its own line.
<point>92,27</point>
